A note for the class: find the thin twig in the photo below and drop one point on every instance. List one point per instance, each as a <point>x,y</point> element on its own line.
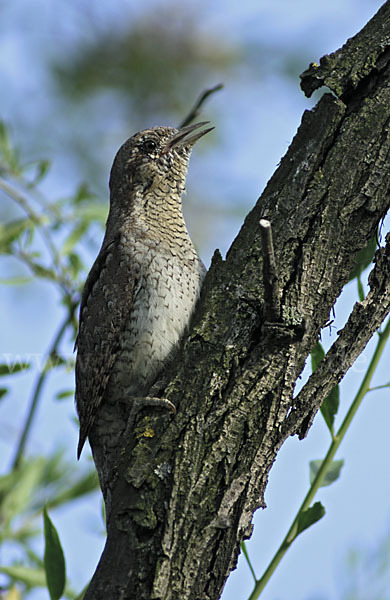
<point>379,387</point>
<point>366,318</point>
<point>195,110</point>
<point>38,388</point>
<point>23,202</point>
<point>13,193</point>
<point>318,480</point>
<point>271,284</point>
<point>245,552</point>
<point>43,272</point>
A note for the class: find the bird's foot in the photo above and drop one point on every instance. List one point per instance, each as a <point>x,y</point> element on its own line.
<point>138,403</point>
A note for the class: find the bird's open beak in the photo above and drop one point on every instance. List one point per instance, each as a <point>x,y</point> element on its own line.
<point>181,137</point>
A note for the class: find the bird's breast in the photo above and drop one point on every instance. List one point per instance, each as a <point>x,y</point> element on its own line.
<point>164,298</point>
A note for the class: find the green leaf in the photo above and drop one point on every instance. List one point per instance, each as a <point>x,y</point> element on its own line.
<point>3,133</point>
<point>83,193</point>
<point>11,368</point>
<point>17,489</point>
<point>360,288</point>
<point>42,168</point>
<point>16,280</point>
<point>10,154</point>
<point>93,211</point>
<point>30,577</point>
<point>53,559</point>
<point>64,394</point>
<point>42,271</point>
<point>310,516</point>
<point>330,407</point>
<point>9,232</point>
<point>75,263</point>
<point>331,403</point>
<point>364,258</point>
<point>3,392</point>
<point>332,473</point>
<point>35,171</point>
<point>316,355</point>
<point>74,236</point>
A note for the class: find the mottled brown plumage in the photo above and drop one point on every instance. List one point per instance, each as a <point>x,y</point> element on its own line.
<point>144,284</point>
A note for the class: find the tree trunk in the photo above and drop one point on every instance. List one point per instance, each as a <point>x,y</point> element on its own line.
<point>180,491</point>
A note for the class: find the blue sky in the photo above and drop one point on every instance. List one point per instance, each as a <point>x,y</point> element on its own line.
<point>256,122</point>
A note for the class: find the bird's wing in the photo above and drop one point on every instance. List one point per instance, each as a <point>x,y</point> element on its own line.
<point>105,304</point>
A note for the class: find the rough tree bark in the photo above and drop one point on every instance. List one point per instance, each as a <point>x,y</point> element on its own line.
<point>180,491</point>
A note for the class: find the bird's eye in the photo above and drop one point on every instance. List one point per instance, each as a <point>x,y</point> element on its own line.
<point>149,146</point>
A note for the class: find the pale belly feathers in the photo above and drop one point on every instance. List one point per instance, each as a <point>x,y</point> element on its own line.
<point>163,302</point>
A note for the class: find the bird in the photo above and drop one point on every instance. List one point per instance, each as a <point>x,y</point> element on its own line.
<point>142,289</point>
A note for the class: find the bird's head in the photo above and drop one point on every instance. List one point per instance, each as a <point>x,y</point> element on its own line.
<point>154,158</point>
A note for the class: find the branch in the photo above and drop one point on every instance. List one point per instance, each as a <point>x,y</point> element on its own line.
<point>43,230</point>
<point>195,110</point>
<point>343,71</point>
<point>365,319</point>
<point>37,393</point>
<point>294,531</point>
<point>271,284</point>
